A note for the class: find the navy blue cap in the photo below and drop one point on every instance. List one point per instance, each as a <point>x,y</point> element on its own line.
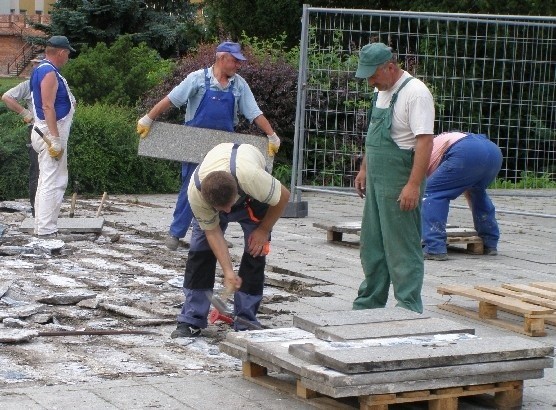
<point>232,48</point>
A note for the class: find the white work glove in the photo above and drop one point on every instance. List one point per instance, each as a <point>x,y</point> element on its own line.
<point>27,116</point>
<point>55,148</point>
<point>273,144</point>
<point>144,126</point>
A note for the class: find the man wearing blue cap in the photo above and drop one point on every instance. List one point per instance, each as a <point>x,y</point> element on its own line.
<point>54,106</point>
<point>392,181</point>
<point>213,97</point>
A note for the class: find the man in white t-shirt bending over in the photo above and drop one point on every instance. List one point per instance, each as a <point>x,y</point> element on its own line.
<point>392,180</point>
<point>230,185</point>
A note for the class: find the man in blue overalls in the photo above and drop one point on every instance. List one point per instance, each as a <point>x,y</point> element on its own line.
<point>392,181</point>
<point>213,97</point>
<point>230,185</point>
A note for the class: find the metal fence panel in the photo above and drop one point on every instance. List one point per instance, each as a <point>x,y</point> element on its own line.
<point>494,75</point>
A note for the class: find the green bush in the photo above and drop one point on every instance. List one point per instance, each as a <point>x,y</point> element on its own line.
<point>102,155</point>
<point>117,75</point>
<point>14,158</point>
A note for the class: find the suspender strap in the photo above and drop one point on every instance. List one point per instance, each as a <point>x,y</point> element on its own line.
<point>233,164</point>
<point>207,82</point>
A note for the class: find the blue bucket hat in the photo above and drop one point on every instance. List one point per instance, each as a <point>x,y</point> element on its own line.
<point>370,57</point>
<point>59,42</point>
<point>232,48</point>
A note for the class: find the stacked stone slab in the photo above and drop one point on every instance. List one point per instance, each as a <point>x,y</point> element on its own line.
<point>388,351</point>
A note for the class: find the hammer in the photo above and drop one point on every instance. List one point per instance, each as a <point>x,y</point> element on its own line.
<point>222,308</point>
<point>47,142</point>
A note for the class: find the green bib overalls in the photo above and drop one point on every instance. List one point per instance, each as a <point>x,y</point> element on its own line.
<point>390,238</point>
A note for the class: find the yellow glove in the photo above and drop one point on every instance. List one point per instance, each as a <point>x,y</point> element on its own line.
<point>55,149</point>
<point>27,116</point>
<point>144,126</point>
<point>273,144</point>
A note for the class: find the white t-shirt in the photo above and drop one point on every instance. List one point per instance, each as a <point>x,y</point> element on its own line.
<point>413,112</point>
<point>250,173</point>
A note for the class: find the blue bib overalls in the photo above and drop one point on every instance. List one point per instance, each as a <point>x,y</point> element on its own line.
<point>216,111</point>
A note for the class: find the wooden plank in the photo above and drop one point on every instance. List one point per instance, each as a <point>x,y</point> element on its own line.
<point>491,321</point>
<point>526,297</point>
<point>543,293</point>
<point>545,285</point>
<point>510,304</point>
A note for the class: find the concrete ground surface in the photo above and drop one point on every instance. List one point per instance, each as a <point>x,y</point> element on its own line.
<point>527,253</point>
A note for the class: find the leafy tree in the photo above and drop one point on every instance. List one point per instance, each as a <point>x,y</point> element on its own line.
<point>268,19</point>
<point>257,18</point>
<point>118,74</point>
<point>166,26</point>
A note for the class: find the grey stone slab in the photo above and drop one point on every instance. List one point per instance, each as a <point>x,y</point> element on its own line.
<point>397,328</point>
<point>329,377</point>
<point>277,355</point>
<point>416,385</point>
<point>68,225</point>
<point>71,297</point>
<point>17,335</point>
<point>343,227</point>
<point>127,311</point>
<point>384,358</point>
<point>243,339</point>
<point>182,143</point>
<point>293,354</point>
<point>310,322</point>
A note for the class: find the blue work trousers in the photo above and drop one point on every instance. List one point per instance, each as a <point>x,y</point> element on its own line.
<point>471,164</point>
<point>182,213</point>
<point>200,271</point>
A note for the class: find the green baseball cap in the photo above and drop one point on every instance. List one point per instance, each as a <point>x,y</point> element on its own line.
<point>59,42</point>
<point>370,57</point>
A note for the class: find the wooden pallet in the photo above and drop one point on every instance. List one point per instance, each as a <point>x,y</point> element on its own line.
<point>455,235</point>
<point>507,395</point>
<point>535,303</point>
<point>335,233</point>
<point>466,236</point>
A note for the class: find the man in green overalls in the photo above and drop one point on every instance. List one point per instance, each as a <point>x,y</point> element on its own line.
<point>392,181</point>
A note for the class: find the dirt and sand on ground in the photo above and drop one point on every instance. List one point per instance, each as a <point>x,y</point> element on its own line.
<point>121,279</point>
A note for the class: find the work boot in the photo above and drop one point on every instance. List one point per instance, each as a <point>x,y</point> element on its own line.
<point>172,242</point>
<point>490,251</point>
<point>436,256</point>
<point>185,330</point>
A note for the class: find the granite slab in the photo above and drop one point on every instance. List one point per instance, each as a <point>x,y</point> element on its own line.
<point>310,322</point>
<point>183,143</point>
